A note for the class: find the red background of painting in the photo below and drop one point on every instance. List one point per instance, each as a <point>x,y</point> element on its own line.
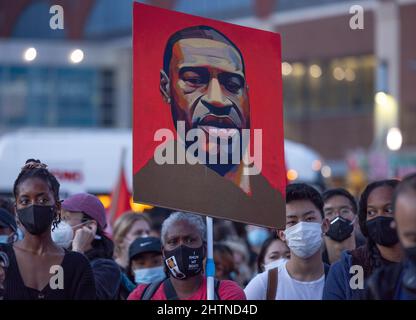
<point>261,51</point>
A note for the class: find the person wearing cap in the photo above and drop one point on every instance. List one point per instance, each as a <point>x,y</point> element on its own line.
<point>145,260</point>
<point>86,217</point>
<point>8,227</point>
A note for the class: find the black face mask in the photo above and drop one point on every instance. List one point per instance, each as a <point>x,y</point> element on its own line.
<point>380,231</point>
<point>184,262</point>
<point>36,219</point>
<point>340,229</point>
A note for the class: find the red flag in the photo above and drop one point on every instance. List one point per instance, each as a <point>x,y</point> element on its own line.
<point>120,197</point>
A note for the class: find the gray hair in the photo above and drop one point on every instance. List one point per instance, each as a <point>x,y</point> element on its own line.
<point>195,221</point>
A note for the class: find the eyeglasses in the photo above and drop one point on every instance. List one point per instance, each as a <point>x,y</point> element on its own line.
<point>344,212</point>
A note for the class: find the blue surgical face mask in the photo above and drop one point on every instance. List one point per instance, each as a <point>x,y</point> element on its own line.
<point>149,275</point>
<point>4,239</point>
<point>256,237</point>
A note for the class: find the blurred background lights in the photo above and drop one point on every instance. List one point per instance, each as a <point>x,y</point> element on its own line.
<point>339,74</point>
<point>76,56</point>
<point>394,139</point>
<point>316,165</point>
<point>326,171</point>
<point>30,54</point>
<point>292,175</point>
<point>315,71</point>
<point>286,68</point>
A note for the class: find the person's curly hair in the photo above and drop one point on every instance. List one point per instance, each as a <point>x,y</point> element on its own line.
<point>36,169</point>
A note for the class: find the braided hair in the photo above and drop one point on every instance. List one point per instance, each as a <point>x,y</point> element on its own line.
<point>374,255</point>
<point>36,169</point>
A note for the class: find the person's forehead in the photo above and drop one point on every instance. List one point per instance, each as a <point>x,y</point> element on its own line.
<point>300,207</point>
<point>33,185</point>
<point>73,214</point>
<point>336,201</point>
<point>380,196</point>
<point>140,225</point>
<point>276,246</point>
<point>206,52</point>
<point>182,229</point>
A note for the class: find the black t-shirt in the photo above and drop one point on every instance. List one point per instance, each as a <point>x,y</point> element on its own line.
<point>78,281</point>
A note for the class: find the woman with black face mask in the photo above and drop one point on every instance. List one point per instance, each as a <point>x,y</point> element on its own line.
<point>38,268</point>
<point>184,251</point>
<point>347,277</point>
<point>398,281</point>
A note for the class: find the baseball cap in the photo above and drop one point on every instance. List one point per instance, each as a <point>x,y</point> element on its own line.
<point>7,220</point>
<point>143,245</point>
<point>89,205</point>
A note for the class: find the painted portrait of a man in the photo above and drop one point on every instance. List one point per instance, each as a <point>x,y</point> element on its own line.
<point>209,159</point>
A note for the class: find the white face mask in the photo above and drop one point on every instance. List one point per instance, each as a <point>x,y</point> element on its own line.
<point>304,238</point>
<point>63,234</point>
<point>275,264</point>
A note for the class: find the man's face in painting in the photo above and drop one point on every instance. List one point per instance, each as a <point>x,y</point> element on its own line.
<point>206,87</point>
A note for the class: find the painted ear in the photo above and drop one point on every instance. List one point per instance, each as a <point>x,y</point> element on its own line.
<point>165,86</point>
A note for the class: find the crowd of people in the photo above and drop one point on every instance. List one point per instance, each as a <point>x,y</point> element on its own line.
<point>333,247</point>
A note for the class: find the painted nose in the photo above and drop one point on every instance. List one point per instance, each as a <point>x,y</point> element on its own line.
<point>215,95</point>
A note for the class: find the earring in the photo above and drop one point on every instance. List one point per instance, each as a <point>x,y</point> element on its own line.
<point>168,100</point>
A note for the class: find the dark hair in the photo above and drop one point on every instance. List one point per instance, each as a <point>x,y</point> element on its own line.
<point>263,250</point>
<point>302,191</point>
<point>36,169</point>
<point>407,184</point>
<point>196,32</point>
<point>374,255</point>
<point>328,194</point>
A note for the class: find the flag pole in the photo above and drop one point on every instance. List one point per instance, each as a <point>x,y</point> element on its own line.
<point>210,268</point>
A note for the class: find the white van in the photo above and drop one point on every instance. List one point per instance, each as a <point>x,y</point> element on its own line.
<point>90,159</point>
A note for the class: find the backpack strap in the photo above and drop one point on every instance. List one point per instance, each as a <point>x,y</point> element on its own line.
<point>272,279</point>
<point>150,290</point>
<point>169,290</point>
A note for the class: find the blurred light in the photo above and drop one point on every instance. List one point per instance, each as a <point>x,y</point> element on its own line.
<point>292,175</point>
<point>394,139</point>
<point>298,69</point>
<point>76,56</point>
<point>139,207</point>
<point>316,165</point>
<point>30,54</point>
<point>339,74</point>
<point>315,71</point>
<point>381,98</point>
<point>105,200</point>
<point>286,68</point>
<point>326,171</point>
<point>349,74</point>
